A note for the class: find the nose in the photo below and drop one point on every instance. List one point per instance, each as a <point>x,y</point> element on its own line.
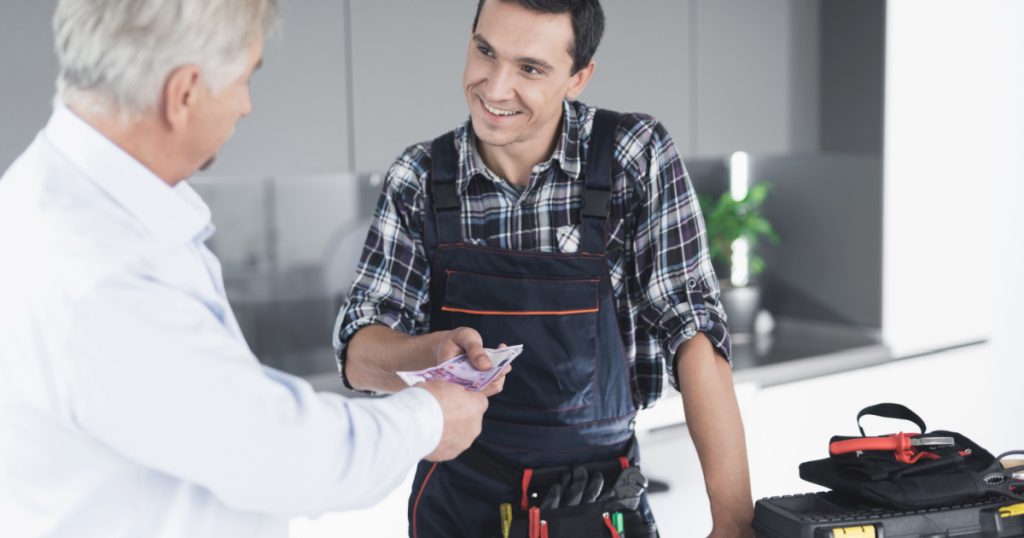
<point>501,83</point>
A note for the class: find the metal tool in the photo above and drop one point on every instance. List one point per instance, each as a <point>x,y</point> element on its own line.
<point>625,493</point>
<point>904,445</point>
<point>1008,481</point>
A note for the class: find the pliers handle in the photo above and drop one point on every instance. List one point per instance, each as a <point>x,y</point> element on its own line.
<point>1007,481</point>
<point>901,444</point>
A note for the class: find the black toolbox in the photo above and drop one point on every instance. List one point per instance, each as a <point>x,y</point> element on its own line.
<point>828,515</point>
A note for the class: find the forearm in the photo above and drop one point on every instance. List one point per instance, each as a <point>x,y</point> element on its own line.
<point>713,418</point>
<point>376,352</point>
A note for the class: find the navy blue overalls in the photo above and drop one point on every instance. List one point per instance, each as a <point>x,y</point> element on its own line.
<point>570,396</point>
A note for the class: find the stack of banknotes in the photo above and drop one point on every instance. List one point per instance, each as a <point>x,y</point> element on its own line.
<point>458,370</point>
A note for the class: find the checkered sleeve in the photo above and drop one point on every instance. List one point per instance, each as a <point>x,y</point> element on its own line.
<point>679,292</point>
<point>391,287</point>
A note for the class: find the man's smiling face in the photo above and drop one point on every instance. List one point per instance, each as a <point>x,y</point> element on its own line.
<point>518,71</point>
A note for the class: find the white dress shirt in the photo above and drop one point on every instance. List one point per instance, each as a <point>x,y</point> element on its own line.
<point>130,404</point>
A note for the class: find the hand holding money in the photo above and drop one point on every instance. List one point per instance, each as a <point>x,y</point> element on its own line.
<point>458,370</point>
<point>467,341</point>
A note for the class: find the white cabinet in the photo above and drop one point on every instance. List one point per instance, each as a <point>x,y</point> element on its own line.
<point>945,122</point>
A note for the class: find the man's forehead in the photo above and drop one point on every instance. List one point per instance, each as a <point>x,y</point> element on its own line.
<point>509,28</point>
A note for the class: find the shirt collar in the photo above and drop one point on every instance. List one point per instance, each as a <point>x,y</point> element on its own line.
<point>566,154</point>
<point>175,214</point>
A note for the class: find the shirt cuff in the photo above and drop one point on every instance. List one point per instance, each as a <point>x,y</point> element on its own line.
<point>429,419</point>
<point>680,328</point>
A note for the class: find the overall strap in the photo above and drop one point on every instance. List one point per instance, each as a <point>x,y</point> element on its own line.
<point>598,177</point>
<point>443,208</point>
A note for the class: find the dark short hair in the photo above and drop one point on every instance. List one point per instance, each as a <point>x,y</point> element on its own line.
<point>587,24</point>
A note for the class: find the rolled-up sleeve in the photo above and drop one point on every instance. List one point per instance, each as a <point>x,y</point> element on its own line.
<point>679,292</point>
<point>391,286</point>
<point>158,377</point>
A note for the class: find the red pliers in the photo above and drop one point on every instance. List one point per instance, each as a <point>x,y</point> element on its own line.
<point>904,445</point>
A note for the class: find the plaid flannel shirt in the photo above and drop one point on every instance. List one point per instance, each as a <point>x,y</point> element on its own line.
<point>665,287</point>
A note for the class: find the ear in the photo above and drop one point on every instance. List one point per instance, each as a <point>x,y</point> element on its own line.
<point>579,81</point>
<point>181,95</point>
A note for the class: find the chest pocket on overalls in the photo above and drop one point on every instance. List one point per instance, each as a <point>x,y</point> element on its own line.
<point>554,319</point>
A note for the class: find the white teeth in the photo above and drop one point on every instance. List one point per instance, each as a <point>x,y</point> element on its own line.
<point>498,111</point>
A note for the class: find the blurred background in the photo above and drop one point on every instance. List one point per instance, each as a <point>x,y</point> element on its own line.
<point>891,133</point>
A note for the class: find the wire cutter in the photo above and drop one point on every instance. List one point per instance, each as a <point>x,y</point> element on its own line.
<point>1008,481</point>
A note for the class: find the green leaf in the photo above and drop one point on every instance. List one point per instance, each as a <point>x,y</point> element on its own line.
<point>727,219</point>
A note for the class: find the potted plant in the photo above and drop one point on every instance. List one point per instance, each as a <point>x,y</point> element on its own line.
<point>734,228</point>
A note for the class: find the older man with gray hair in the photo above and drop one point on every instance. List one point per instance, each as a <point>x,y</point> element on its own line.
<point>130,404</point>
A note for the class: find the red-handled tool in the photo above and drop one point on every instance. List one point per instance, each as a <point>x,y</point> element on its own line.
<point>904,445</point>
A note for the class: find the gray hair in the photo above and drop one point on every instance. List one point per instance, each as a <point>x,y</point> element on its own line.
<point>115,55</point>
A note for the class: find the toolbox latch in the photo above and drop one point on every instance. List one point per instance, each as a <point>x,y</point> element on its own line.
<point>1012,510</point>
<point>862,531</point>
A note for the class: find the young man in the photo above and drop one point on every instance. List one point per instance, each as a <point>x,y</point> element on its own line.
<point>573,232</point>
<point>130,404</point>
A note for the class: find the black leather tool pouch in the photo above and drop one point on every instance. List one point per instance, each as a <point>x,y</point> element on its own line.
<point>878,478</point>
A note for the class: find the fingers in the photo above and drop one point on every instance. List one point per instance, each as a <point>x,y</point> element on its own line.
<point>473,346</point>
<point>498,384</point>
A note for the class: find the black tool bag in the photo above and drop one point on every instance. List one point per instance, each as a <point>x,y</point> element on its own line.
<point>583,507</point>
<point>589,520</point>
<point>878,478</point>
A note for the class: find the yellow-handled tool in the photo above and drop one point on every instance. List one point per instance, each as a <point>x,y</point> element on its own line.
<point>506,519</point>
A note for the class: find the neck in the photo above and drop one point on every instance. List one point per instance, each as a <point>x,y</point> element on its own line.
<point>140,137</point>
<point>514,162</point>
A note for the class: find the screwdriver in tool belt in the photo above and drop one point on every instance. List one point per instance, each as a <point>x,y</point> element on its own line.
<point>506,519</point>
<point>903,444</point>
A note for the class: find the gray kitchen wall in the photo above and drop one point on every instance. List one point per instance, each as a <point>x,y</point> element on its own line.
<point>301,122</point>
<point>29,69</point>
<point>722,75</point>
<point>349,83</point>
<point>852,76</point>
<point>827,210</point>
<point>756,76</point>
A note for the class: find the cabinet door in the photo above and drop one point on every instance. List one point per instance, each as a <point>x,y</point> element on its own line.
<point>793,423</point>
<point>756,76</point>
<point>644,64</point>
<point>299,124</point>
<point>944,149</point>
<point>407,60</point>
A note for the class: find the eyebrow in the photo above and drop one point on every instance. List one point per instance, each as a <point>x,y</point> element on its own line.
<point>522,59</point>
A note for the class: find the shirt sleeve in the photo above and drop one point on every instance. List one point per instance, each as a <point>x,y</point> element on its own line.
<point>680,294</point>
<point>391,287</point>
<point>158,377</point>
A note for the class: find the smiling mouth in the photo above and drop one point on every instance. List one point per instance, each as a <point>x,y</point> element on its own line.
<point>498,111</point>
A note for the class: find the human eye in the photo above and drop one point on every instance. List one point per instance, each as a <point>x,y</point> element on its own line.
<point>532,70</point>
<point>485,51</point>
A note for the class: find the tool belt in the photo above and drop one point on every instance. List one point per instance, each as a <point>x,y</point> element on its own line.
<point>910,470</point>
<point>596,499</point>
